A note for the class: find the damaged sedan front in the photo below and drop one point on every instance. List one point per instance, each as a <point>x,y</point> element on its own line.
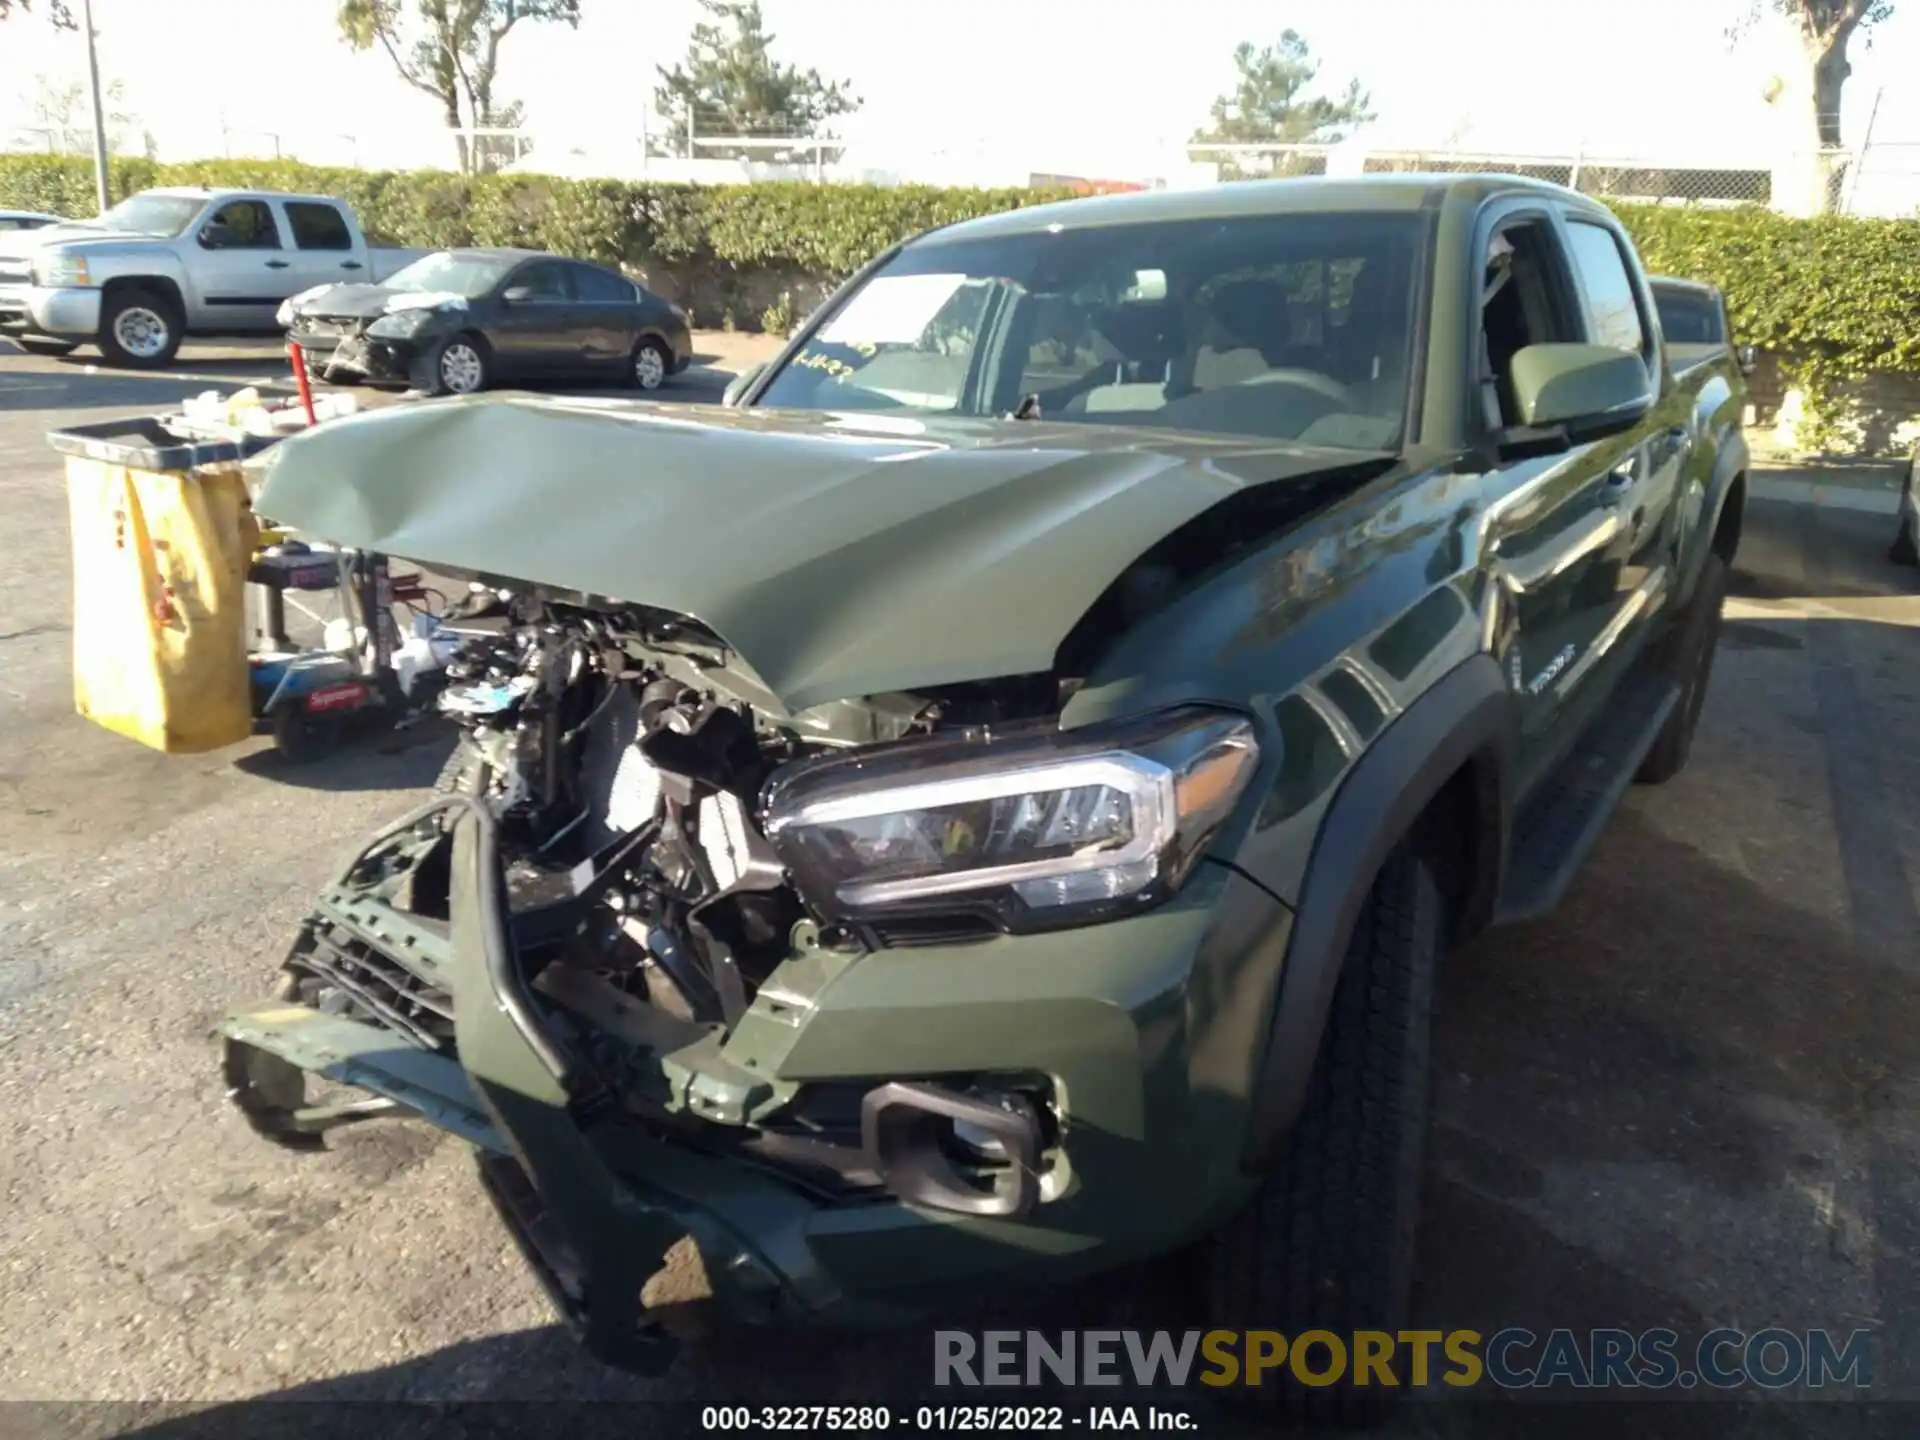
<point>838,864</point>
<point>460,321</point>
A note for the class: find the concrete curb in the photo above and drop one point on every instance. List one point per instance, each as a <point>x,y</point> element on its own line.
<point>1872,499</point>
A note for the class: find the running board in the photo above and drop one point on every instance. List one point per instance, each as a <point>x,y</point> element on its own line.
<point>1554,833</point>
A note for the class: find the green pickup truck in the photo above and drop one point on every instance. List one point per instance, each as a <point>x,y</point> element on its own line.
<point>987,804</point>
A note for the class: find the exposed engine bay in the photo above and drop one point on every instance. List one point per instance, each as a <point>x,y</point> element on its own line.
<point>667,847</point>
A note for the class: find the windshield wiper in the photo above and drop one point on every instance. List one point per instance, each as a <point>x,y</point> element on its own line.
<point>1027,409</point>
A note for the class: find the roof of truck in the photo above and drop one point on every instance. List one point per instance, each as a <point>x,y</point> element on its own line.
<point>204,192</point>
<point>1243,198</point>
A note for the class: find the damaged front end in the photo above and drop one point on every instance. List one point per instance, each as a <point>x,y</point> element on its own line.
<point>822,989</point>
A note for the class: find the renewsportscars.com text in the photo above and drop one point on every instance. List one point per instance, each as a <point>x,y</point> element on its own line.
<point>1510,1359</point>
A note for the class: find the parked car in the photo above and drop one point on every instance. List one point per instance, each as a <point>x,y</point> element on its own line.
<point>458,321</point>
<point>1050,728</point>
<point>17,220</point>
<point>1906,536</point>
<point>165,264</point>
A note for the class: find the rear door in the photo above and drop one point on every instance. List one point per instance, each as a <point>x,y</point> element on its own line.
<point>532,332</point>
<point>323,249</point>
<point>1646,487</point>
<point>606,315</point>
<point>240,267</point>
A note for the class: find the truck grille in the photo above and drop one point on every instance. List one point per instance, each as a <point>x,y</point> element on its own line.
<point>356,979</point>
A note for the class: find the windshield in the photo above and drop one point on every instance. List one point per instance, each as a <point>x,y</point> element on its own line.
<point>150,214</point>
<point>1283,326</point>
<point>448,273</point>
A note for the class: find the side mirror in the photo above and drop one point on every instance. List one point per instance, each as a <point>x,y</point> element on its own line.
<point>1746,357</point>
<point>517,294</point>
<point>741,383</point>
<point>215,236</point>
<point>1578,392</point>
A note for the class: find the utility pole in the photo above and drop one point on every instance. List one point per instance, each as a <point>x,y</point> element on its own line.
<point>99,116</point>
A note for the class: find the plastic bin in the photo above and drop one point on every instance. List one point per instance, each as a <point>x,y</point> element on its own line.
<point>162,535</point>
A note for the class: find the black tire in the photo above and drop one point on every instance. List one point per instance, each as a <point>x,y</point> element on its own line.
<point>41,345</point>
<point>1906,543</point>
<point>302,738</point>
<point>650,364</point>
<point>1686,654</point>
<point>132,311</point>
<point>431,371</point>
<point>1328,1242</point>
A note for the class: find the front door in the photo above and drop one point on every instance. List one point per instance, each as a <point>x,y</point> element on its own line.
<point>530,333</point>
<point>242,272</point>
<point>1559,526</point>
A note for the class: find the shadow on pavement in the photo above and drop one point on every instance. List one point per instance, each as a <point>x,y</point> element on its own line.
<point>374,757</point>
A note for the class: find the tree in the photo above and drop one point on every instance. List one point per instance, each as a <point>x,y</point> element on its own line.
<point>1824,29</point>
<point>450,50</point>
<point>62,111</point>
<point>57,12</point>
<point>730,84</point>
<point>1270,106</point>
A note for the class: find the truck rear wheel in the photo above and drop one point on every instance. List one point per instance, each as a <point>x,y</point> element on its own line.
<point>140,328</point>
<point>1327,1243</point>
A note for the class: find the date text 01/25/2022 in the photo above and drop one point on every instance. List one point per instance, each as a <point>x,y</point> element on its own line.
<point>974,1418</point>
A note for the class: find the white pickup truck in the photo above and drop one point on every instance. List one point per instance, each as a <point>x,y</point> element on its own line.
<point>165,264</point>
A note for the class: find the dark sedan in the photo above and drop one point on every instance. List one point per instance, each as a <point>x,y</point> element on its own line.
<point>457,321</point>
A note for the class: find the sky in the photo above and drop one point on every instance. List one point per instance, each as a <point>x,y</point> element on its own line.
<point>1083,86</point>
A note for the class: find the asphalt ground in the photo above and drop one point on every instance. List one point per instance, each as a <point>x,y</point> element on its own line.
<point>1687,1099</point>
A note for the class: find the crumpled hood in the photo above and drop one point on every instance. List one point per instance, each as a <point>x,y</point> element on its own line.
<point>365,302</point>
<point>838,555</point>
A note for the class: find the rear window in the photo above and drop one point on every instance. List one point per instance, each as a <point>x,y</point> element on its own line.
<point>1688,317</point>
<point>318,227</point>
<point>599,286</point>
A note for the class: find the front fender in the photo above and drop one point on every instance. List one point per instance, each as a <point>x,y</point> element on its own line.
<point>1466,718</point>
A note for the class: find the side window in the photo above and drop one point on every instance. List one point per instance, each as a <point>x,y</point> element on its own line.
<point>601,286</point>
<point>241,225</point>
<point>1524,300</point>
<point>1613,311</point>
<point>318,227</point>
<point>1688,318</point>
<point>547,279</point>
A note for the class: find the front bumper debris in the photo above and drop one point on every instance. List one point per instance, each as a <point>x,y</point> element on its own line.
<point>596,1180</point>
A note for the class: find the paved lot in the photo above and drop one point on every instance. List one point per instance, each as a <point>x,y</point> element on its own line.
<point>1688,1099</point>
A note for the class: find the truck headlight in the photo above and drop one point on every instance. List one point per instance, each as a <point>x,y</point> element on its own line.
<point>63,271</point>
<point>1029,830</point>
<point>400,324</point>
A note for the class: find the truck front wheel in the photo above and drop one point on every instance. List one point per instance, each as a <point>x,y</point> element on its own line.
<point>139,328</point>
<point>1327,1243</point>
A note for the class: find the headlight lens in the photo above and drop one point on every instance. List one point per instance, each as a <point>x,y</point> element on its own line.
<point>66,270</point>
<point>400,325</point>
<point>1029,830</point>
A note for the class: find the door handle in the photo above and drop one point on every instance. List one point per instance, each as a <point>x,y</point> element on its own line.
<point>276,264</point>
<point>351,265</point>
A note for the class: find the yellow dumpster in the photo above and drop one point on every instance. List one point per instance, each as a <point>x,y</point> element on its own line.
<point>162,536</point>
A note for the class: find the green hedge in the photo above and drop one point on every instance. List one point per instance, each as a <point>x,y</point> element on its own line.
<point>1833,298</point>
<point>813,231</point>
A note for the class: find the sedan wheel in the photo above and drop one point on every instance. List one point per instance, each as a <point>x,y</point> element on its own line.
<point>462,371</point>
<point>650,365</point>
